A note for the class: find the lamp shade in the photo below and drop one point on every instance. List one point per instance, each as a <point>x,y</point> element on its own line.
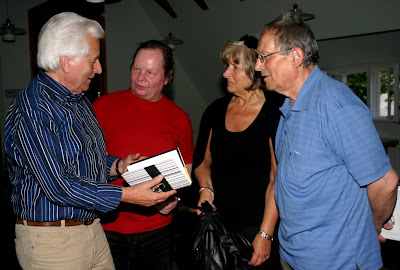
<point>8,30</point>
<point>300,15</point>
<point>171,41</point>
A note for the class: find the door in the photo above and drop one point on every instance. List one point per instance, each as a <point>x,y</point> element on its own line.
<point>39,15</point>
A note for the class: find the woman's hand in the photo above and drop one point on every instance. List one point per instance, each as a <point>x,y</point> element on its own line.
<point>206,195</point>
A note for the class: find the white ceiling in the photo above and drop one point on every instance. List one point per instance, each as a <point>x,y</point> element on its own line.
<point>199,78</point>
<point>206,31</point>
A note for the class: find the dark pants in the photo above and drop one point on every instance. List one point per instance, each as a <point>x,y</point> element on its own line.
<point>286,266</point>
<point>141,251</point>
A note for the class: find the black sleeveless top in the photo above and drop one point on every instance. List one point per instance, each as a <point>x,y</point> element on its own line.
<point>241,161</point>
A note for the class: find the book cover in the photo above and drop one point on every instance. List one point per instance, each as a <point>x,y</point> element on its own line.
<point>394,234</point>
<point>170,164</point>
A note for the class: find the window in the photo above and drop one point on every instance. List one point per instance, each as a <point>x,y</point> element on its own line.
<point>376,85</point>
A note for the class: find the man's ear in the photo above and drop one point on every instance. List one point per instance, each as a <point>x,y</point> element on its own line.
<point>166,80</point>
<point>297,56</point>
<point>65,63</point>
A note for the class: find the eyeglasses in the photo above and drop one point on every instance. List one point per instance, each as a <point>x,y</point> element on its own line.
<point>263,57</point>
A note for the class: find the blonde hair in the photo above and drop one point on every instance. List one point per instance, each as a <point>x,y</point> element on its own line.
<point>241,55</point>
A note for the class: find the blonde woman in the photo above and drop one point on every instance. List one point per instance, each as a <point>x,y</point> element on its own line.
<point>234,160</point>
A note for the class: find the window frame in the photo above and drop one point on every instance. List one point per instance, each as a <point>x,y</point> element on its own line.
<point>374,86</point>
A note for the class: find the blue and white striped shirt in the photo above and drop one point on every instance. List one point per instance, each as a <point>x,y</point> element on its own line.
<point>56,155</point>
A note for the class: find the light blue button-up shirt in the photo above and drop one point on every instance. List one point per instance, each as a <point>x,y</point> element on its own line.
<point>327,150</point>
<point>56,155</point>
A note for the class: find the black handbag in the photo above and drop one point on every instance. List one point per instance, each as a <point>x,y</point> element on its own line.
<point>217,246</point>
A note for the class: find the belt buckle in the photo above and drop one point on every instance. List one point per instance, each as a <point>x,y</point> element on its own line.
<point>87,222</point>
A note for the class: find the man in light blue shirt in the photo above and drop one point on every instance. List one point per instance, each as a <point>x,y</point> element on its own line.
<point>335,187</point>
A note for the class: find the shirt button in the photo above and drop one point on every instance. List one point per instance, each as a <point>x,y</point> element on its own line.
<point>285,132</point>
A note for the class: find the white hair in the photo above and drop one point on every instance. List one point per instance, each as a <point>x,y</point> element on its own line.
<point>65,34</point>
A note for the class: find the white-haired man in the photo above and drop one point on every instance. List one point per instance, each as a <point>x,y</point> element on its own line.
<point>57,160</point>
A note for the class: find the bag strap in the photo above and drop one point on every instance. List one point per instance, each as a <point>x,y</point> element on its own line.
<point>206,208</point>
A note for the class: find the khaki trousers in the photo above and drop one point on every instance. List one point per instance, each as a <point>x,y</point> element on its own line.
<point>69,248</point>
<point>285,266</point>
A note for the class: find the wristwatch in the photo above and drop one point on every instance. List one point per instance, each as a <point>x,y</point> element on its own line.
<point>266,235</point>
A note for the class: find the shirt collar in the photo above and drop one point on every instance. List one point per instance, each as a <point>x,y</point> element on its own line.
<point>303,99</point>
<point>57,90</point>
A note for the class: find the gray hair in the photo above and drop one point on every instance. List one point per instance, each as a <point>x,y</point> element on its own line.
<point>291,32</point>
<point>65,34</point>
<point>242,55</point>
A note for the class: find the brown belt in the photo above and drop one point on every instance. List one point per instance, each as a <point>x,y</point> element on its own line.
<point>68,222</point>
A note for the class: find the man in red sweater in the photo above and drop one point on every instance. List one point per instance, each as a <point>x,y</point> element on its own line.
<point>141,119</point>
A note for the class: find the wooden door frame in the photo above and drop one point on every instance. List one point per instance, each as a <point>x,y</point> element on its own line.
<point>39,15</point>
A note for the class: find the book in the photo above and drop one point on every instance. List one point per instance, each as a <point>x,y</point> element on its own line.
<point>394,234</point>
<point>170,164</point>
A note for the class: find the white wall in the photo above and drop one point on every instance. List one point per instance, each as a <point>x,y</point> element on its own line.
<point>123,34</point>
<point>127,24</point>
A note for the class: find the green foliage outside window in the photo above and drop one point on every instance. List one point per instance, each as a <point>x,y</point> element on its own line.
<point>358,83</point>
<point>384,83</point>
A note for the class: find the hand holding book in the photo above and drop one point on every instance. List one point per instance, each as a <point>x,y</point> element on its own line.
<point>170,164</point>
<point>144,195</point>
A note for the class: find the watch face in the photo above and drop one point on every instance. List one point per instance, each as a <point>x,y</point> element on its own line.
<point>265,235</point>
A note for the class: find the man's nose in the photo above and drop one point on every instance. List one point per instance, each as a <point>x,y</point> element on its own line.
<point>259,66</point>
<point>97,67</point>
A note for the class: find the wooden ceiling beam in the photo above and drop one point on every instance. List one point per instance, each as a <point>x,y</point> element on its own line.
<point>167,7</point>
<point>170,10</point>
<point>202,4</point>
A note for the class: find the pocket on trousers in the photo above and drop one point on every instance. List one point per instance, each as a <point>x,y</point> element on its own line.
<point>20,250</point>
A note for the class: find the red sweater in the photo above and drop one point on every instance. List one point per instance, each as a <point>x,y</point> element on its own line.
<point>132,125</point>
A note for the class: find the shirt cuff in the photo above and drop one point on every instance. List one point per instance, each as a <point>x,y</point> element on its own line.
<point>109,197</point>
<point>109,162</point>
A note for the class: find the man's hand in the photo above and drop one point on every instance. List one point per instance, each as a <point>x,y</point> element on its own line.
<point>128,160</point>
<point>382,195</point>
<point>167,206</point>
<point>262,250</point>
<point>142,194</point>
<point>386,226</point>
